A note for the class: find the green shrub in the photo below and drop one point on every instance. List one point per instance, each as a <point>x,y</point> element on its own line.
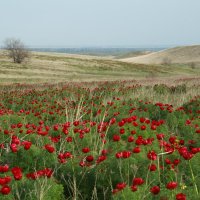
<point>161,88</point>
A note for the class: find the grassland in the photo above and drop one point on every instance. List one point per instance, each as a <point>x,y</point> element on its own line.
<point>45,67</point>
<point>184,54</point>
<point>93,128</point>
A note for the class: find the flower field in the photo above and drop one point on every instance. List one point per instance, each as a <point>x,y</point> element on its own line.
<point>99,140</point>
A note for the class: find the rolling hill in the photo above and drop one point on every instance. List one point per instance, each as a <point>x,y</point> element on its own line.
<point>56,67</point>
<point>184,54</point>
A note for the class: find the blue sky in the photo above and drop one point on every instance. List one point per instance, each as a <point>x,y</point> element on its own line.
<point>78,23</point>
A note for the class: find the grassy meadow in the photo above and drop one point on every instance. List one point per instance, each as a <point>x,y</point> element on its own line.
<point>44,67</point>
<point>84,127</point>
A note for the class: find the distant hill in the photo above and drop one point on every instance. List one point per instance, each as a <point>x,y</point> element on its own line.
<point>115,52</point>
<point>184,54</point>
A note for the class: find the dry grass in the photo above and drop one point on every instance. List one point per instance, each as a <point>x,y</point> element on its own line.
<point>55,67</point>
<point>185,54</point>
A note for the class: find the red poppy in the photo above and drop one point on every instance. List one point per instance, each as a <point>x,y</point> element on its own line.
<point>121,186</point>
<point>116,138</point>
<point>138,181</point>
<point>85,150</point>
<point>155,190</point>
<point>17,173</point>
<point>5,190</point>
<point>152,155</point>
<point>180,196</point>
<point>152,167</point>
<point>134,188</point>
<point>136,150</point>
<point>171,185</point>
<point>90,158</point>
<point>143,127</point>
<point>130,138</point>
<point>126,154</point>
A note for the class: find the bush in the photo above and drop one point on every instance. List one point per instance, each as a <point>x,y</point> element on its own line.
<point>16,50</point>
<point>161,88</point>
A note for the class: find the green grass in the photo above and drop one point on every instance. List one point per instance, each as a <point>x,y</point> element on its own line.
<point>55,105</point>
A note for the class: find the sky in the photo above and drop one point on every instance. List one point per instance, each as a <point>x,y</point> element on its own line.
<point>101,23</point>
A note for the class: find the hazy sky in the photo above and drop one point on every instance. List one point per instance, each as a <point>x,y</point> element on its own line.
<point>78,23</point>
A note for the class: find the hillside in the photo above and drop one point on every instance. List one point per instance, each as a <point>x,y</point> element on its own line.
<point>185,54</point>
<point>45,67</point>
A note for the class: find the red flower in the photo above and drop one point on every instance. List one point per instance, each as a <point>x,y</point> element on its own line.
<point>113,120</point>
<point>181,142</point>
<point>82,164</point>
<point>121,186</point>
<point>172,139</point>
<point>5,190</point>
<point>19,125</point>
<point>134,188</point>
<point>27,145</point>
<point>67,155</point>
<point>142,119</point>
<point>138,181</point>
<point>6,132</point>
<point>152,167</point>
<point>155,190</point>
<point>49,148</point>
<point>167,161</point>
<point>198,131</point>
<point>143,127</point>
<point>176,161</point>
<point>116,138</point>
<point>139,140</point>
<point>17,173</point>
<point>130,138</point>
<point>48,172</point>
<point>76,123</point>
<point>69,139</point>
<point>136,150</point>
<point>180,196</point>
<point>119,155</point>
<point>13,148</point>
<point>126,154</point>
<point>185,153</point>
<point>160,136</point>
<point>85,150</point>
<point>101,159</point>
<point>135,124</point>
<point>104,152</point>
<point>153,127</point>
<point>5,180</point>
<point>171,185</point>
<point>4,168</point>
<point>122,131</point>
<point>65,131</point>
<point>121,123</point>
<point>133,132</point>
<point>90,158</point>
<point>152,155</point>
<point>147,121</point>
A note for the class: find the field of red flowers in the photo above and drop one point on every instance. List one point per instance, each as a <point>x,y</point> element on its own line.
<point>92,141</point>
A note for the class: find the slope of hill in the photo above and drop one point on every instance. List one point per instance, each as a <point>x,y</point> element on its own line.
<point>48,67</point>
<point>185,54</point>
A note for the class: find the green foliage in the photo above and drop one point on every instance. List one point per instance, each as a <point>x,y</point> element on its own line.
<point>178,89</point>
<point>161,88</point>
<point>42,188</point>
<point>47,118</point>
<point>164,89</point>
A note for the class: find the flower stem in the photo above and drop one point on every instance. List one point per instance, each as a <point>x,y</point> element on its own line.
<point>193,178</point>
